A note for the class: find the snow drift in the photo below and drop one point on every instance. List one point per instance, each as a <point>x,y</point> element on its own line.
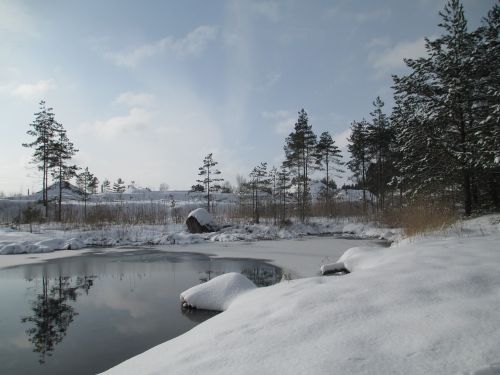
<point>218,293</point>
<point>424,307</point>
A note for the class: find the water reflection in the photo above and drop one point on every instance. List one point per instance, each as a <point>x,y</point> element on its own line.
<point>260,273</point>
<point>86,314</point>
<point>52,313</point>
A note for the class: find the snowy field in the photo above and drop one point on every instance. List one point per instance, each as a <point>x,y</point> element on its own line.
<point>426,305</point>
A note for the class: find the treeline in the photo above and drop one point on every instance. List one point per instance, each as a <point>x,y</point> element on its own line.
<point>442,140</point>
<point>440,144</point>
<point>285,191</point>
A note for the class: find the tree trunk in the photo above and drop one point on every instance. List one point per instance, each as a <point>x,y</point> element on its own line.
<point>467,193</point>
<point>59,214</point>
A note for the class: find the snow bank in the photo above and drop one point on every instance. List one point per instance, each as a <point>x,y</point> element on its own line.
<point>333,268</point>
<point>423,307</point>
<point>44,246</point>
<point>218,293</point>
<point>17,242</point>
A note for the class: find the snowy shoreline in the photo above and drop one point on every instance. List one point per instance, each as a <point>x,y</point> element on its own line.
<point>48,239</point>
<point>425,305</point>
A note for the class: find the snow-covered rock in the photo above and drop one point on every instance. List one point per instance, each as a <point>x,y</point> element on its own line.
<point>218,293</point>
<point>200,221</point>
<point>333,268</point>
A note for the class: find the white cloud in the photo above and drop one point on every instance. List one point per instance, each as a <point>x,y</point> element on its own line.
<point>135,99</point>
<point>33,90</point>
<point>392,58</point>
<point>267,9</point>
<point>15,19</point>
<point>136,119</point>
<point>283,121</point>
<point>341,140</point>
<point>191,45</point>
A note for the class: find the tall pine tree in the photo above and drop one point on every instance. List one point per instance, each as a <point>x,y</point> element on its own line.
<point>87,183</point>
<point>328,158</point>
<point>62,170</point>
<point>45,130</point>
<point>209,177</point>
<point>300,148</point>
<point>358,148</point>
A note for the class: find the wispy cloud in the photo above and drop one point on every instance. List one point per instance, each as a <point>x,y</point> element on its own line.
<point>191,45</point>
<point>33,90</point>
<point>135,119</point>
<point>135,99</point>
<point>282,121</point>
<point>389,59</point>
<point>15,19</point>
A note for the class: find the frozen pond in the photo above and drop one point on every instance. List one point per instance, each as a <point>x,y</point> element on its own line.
<point>85,314</point>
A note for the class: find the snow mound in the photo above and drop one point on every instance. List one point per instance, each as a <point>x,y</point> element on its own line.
<point>44,246</point>
<point>333,268</point>
<point>424,307</point>
<point>202,216</point>
<point>218,293</point>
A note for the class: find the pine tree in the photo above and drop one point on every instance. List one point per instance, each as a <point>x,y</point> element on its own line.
<point>284,184</point>
<point>119,187</point>
<point>105,186</point>
<point>208,177</point>
<point>87,183</point>
<point>45,130</point>
<point>273,185</point>
<point>380,138</point>
<point>486,109</point>
<point>259,183</point>
<point>328,158</point>
<point>62,172</point>
<point>300,147</point>
<point>442,98</point>
<point>358,148</point>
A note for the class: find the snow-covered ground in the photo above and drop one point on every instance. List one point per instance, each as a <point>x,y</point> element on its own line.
<point>51,239</point>
<point>426,305</point>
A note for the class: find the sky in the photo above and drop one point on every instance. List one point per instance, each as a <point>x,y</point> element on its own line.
<point>146,89</point>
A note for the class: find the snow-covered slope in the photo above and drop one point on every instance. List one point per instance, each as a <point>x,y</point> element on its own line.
<point>427,306</point>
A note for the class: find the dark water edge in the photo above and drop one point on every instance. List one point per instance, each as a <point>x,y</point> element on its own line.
<point>85,314</point>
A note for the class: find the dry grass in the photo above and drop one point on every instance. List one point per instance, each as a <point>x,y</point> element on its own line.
<point>420,217</point>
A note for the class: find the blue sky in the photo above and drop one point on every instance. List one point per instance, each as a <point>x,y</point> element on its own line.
<point>147,89</point>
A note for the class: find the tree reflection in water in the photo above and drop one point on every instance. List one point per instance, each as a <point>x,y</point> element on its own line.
<point>52,314</point>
